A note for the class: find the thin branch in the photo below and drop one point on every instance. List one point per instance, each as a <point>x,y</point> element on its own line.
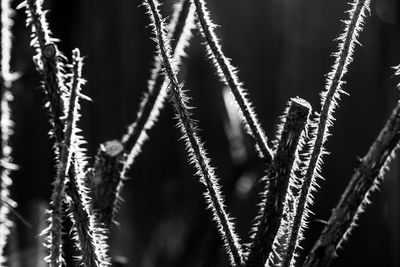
<point>89,235</point>
<point>53,81</point>
<point>6,124</point>
<point>197,153</point>
<point>329,98</point>
<point>227,74</point>
<point>106,179</point>
<point>355,198</point>
<point>49,66</point>
<point>180,34</point>
<point>279,177</point>
<point>54,231</point>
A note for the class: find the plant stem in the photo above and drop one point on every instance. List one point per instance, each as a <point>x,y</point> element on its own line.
<point>6,125</point>
<point>104,180</point>
<point>279,177</point>
<point>107,178</point>
<point>329,98</point>
<point>227,73</point>
<point>180,29</point>
<point>48,65</point>
<point>196,150</point>
<point>355,198</point>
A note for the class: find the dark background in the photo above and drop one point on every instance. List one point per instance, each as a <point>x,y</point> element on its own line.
<point>282,48</point>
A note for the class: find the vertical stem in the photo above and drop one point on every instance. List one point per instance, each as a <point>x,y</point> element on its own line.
<point>6,124</point>
<point>279,176</point>
<point>196,150</point>
<point>329,99</point>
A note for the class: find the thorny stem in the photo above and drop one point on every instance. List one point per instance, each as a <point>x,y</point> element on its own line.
<point>48,64</point>
<point>365,180</point>
<point>6,124</point>
<point>151,104</point>
<point>81,224</point>
<point>90,236</point>
<point>279,177</point>
<point>106,178</point>
<point>329,101</point>
<point>228,75</point>
<point>63,167</point>
<point>198,155</point>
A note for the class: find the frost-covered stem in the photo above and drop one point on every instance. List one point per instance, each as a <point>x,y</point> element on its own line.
<point>107,178</point>
<point>354,200</point>
<point>197,154</point>
<point>80,220</point>
<point>89,236</point>
<point>47,64</point>
<point>330,96</point>
<point>104,180</point>
<point>227,73</point>
<point>279,175</point>
<point>56,210</point>
<point>6,124</point>
<point>180,33</point>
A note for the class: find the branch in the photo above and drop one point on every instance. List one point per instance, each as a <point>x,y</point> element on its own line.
<point>6,124</point>
<point>107,178</point>
<point>227,74</point>
<point>355,198</point>
<point>329,98</point>
<point>180,34</point>
<point>104,180</point>
<point>48,65</point>
<point>197,153</point>
<point>89,235</point>
<point>279,177</point>
<point>54,231</point>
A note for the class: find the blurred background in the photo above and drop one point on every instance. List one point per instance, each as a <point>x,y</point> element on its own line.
<point>283,49</point>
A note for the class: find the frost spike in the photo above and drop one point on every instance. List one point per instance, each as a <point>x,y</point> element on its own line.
<point>329,97</point>
<point>279,177</point>
<point>197,154</point>
<point>354,200</point>
<point>227,74</point>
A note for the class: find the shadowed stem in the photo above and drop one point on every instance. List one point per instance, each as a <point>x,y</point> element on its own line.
<point>228,75</point>
<point>365,180</point>
<point>270,215</point>
<point>104,180</point>
<point>196,150</point>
